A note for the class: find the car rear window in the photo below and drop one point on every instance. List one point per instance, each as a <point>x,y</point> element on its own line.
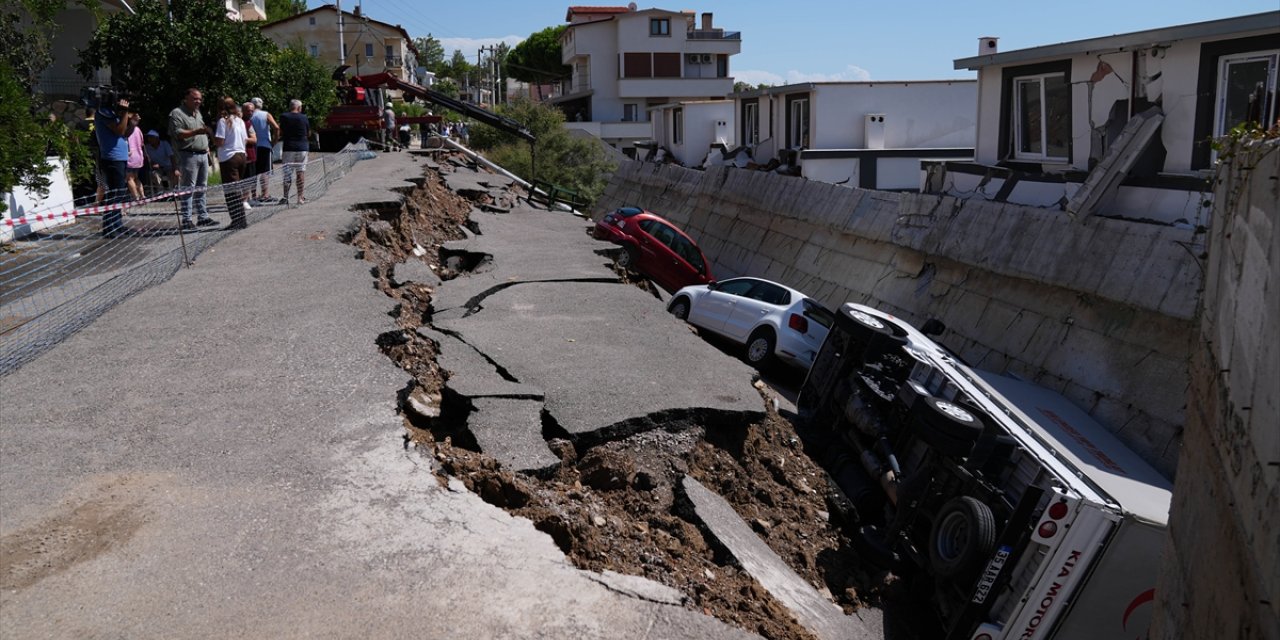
<point>818,313</point>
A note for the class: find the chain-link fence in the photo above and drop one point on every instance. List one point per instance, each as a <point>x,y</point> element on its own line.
<point>64,266</point>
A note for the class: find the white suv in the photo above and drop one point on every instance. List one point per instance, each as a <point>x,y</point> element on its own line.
<point>769,319</point>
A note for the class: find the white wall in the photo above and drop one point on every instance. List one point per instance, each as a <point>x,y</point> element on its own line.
<point>917,114</point>
<point>600,43</point>
<point>700,120</point>
<point>1161,205</point>
<point>22,202</point>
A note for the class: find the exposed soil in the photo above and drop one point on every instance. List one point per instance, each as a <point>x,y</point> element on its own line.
<point>617,505</point>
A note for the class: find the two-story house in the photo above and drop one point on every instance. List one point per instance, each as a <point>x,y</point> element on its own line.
<point>1054,122</point>
<point>625,60</point>
<point>367,45</point>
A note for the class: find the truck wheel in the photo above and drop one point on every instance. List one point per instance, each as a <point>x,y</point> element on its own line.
<point>946,426</point>
<point>876,336</point>
<point>963,535</point>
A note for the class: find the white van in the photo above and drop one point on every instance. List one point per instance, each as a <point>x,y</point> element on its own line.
<point>1020,515</point>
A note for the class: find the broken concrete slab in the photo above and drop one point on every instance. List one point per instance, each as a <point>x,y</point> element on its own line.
<point>414,270</point>
<point>528,246</point>
<point>812,610</point>
<point>510,431</point>
<point>637,587</point>
<point>608,356</point>
<point>471,375</point>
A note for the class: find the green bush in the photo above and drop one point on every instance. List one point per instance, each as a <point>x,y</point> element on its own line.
<point>579,164</point>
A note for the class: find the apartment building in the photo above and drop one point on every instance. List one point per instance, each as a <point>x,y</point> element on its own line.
<point>626,60</point>
<point>370,46</point>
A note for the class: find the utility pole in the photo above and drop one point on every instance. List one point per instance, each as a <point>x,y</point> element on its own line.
<point>342,46</point>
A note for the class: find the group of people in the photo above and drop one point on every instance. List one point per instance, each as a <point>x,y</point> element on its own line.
<point>243,136</point>
<point>403,133</point>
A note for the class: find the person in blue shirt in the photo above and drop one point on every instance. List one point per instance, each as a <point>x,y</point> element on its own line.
<point>111,127</point>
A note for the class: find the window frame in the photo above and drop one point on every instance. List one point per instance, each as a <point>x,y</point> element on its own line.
<point>751,121</point>
<point>314,50</point>
<point>677,126</point>
<point>799,102</point>
<point>663,27</point>
<point>1220,98</point>
<point>1207,86</point>
<point>1016,124</point>
<point>1008,76</point>
<point>630,112</point>
<point>368,50</point>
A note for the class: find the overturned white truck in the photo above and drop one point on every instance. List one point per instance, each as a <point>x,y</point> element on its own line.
<point>1013,511</point>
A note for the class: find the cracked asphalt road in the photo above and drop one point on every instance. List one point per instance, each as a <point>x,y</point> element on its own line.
<point>220,456</point>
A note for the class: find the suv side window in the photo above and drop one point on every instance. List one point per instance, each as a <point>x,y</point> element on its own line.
<point>771,294</point>
<point>690,253</point>
<point>736,287</point>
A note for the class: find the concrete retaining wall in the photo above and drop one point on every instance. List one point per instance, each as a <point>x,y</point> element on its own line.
<point>1099,310</point>
<point>1221,575</point>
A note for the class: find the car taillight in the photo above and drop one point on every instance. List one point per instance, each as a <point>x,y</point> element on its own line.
<point>798,322</point>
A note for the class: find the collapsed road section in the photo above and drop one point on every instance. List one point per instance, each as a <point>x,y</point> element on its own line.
<point>550,386</point>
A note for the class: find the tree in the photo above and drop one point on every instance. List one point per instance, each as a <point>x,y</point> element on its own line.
<point>430,53</point>
<point>447,86</point>
<point>26,32</point>
<point>537,58</point>
<point>281,9</point>
<point>457,67</point>
<point>156,58</point>
<point>576,163</point>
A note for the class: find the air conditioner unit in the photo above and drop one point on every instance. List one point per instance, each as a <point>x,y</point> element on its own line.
<point>707,58</point>
<point>692,58</point>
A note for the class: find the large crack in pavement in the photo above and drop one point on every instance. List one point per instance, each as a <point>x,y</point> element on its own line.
<point>576,402</point>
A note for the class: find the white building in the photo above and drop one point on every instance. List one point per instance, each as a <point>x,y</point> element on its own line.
<point>1048,115</point>
<point>863,134</point>
<point>690,130</point>
<point>625,60</point>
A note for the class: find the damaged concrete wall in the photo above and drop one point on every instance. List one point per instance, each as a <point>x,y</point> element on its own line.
<point>1221,575</point>
<point>1100,311</point>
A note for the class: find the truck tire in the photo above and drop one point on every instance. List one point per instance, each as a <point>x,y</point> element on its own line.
<point>877,336</point>
<point>949,428</point>
<point>962,537</point>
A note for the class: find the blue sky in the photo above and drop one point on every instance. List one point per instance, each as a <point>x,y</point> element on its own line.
<point>799,41</point>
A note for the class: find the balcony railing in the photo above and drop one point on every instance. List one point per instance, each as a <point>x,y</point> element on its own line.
<point>713,34</point>
<point>395,62</point>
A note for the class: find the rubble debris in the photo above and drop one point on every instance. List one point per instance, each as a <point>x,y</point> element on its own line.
<point>610,498</point>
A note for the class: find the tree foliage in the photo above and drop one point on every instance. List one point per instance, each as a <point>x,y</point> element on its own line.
<point>537,58</point>
<point>26,33</point>
<point>580,164</point>
<point>157,58</point>
<point>430,53</point>
<point>457,67</point>
<point>281,9</point>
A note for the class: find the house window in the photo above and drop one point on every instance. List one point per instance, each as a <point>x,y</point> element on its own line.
<point>368,49</point>
<point>722,66</point>
<point>666,65</point>
<point>630,112</point>
<point>1246,90</point>
<point>311,21</point>
<point>390,51</point>
<point>677,126</point>
<point>314,49</point>
<point>751,123</point>
<point>1042,117</point>
<point>637,65</point>
<point>660,26</point>
<point>798,122</point>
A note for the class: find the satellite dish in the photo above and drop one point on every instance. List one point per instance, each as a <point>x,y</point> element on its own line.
<point>631,6</point>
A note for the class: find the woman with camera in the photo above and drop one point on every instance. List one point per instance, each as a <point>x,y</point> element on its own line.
<point>231,137</point>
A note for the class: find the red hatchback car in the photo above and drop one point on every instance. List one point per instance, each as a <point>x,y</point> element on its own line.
<point>655,248</point>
